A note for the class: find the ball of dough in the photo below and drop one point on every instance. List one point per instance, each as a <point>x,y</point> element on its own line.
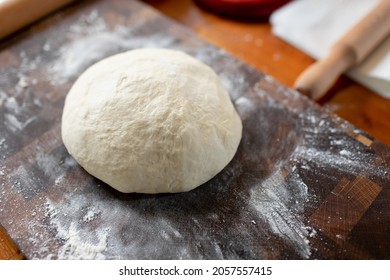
<point>151,121</point>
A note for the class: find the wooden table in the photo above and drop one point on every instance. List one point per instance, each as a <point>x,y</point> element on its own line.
<point>254,44</point>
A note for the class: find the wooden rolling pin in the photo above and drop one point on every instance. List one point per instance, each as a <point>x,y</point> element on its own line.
<point>347,52</point>
<point>15,14</point>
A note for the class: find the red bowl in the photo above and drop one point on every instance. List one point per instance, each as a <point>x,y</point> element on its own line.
<point>242,9</point>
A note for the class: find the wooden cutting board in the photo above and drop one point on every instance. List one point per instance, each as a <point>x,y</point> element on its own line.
<point>304,183</point>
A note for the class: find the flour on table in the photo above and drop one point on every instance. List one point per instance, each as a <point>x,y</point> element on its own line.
<point>97,43</point>
<point>272,201</point>
<point>85,230</point>
<point>77,243</point>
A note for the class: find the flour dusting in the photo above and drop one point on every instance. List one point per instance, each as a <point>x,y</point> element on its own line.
<point>85,231</point>
<point>99,42</point>
<point>272,201</point>
<point>77,243</point>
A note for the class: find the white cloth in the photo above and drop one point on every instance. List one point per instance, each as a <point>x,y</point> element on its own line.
<point>314,25</point>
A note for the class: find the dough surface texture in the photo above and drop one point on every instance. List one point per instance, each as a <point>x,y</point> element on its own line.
<point>151,121</point>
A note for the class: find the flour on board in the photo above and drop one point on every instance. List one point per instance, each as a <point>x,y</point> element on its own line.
<point>77,244</point>
<point>271,201</point>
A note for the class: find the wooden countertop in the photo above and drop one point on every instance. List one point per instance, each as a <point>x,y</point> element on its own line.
<point>254,44</point>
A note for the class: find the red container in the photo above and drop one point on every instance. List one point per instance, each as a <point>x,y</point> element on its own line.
<point>242,9</point>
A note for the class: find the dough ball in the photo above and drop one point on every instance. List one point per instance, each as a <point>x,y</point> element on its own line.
<point>151,121</point>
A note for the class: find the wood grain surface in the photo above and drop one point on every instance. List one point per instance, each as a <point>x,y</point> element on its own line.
<point>8,249</point>
<point>305,184</point>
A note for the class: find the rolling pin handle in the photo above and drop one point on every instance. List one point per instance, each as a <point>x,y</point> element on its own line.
<point>15,14</point>
<point>318,78</point>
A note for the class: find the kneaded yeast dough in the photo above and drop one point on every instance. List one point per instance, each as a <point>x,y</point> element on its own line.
<point>151,121</point>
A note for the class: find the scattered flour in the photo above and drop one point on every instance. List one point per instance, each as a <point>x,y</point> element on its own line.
<point>96,229</point>
<point>92,40</point>
<point>77,243</point>
<point>90,216</point>
<point>94,47</point>
<point>272,200</point>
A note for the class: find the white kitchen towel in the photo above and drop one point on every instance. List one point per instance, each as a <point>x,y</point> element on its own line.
<point>314,25</point>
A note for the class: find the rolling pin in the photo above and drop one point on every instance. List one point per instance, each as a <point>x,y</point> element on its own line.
<point>347,52</point>
<point>15,14</point>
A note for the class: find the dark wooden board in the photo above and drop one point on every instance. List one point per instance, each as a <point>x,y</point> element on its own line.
<point>304,184</point>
